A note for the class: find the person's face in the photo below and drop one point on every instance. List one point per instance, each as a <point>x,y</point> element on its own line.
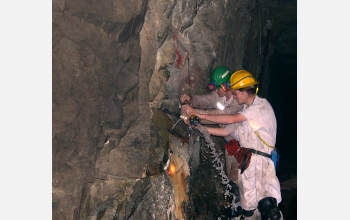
<point>240,96</point>
<point>221,92</point>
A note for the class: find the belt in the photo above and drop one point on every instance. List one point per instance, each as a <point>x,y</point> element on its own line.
<point>244,162</point>
<point>259,153</point>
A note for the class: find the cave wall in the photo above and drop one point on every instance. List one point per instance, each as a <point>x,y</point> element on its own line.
<point>115,64</point>
<point>95,49</point>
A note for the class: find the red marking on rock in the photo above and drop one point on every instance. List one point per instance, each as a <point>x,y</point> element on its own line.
<point>179,58</point>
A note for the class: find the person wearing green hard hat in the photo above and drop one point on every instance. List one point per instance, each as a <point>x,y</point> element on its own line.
<point>255,129</point>
<point>219,100</point>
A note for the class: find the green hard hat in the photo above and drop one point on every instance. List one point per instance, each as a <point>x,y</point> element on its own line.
<point>220,74</point>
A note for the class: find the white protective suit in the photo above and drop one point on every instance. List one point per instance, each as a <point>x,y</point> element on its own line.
<point>208,104</point>
<point>259,180</point>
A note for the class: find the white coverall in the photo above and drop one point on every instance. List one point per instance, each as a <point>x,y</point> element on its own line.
<point>259,180</point>
<point>208,104</point>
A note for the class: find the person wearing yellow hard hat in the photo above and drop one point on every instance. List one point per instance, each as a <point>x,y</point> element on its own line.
<point>255,129</point>
<point>219,101</point>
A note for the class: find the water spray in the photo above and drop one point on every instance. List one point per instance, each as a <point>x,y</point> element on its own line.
<point>217,164</point>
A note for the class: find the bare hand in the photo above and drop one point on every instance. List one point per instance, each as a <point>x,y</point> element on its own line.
<point>187,110</point>
<point>187,121</point>
<point>185,98</point>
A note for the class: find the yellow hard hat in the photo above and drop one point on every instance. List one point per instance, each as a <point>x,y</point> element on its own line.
<point>241,79</point>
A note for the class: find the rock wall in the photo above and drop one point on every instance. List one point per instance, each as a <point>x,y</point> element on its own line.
<point>115,65</point>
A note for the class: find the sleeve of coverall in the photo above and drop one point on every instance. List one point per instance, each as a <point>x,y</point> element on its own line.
<point>232,108</point>
<point>207,101</point>
<point>232,129</point>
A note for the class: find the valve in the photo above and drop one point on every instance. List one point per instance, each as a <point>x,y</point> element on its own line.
<point>194,120</point>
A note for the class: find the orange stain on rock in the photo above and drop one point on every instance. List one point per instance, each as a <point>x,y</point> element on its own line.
<point>179,171</point>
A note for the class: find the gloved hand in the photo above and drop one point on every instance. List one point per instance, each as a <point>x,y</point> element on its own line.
<point>232,147</point>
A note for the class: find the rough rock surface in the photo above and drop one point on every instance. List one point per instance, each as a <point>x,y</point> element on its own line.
<point>115,65</point>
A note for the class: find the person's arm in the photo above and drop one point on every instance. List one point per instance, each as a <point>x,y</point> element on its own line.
<point>234,108</point>
<point>218,131</point>
<point>206,101</point>
<point>231,109</point>
<point>187,110</point>
<point>222,119</point>
<point>210,104</point>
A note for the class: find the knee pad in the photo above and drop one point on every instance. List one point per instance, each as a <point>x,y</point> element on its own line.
<point>269,209</point>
